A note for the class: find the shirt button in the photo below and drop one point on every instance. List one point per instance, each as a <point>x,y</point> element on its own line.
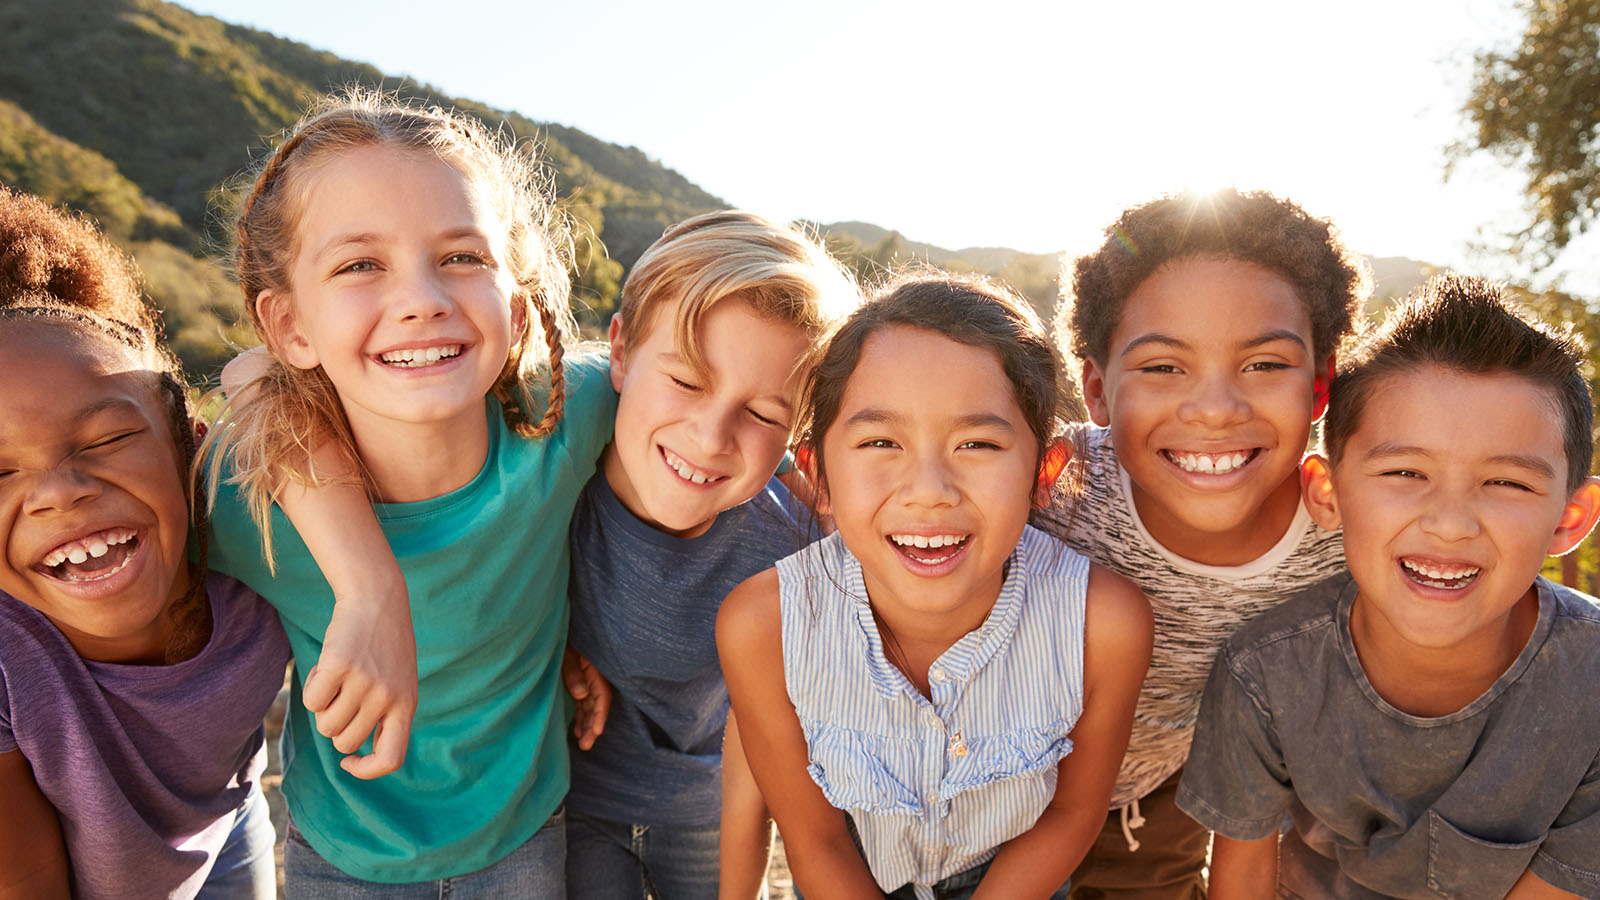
<point>932,800</point>
<point>936,674</point>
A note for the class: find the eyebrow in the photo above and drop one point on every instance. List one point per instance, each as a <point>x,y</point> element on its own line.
<point>673,357</point>
<point>1166,340</point>
<point>1536,464</point>
<point>105,404</point>
<point>876,416</point>
<point>373,237</point>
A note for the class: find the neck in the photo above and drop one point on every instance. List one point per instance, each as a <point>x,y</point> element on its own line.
<point>1244,543</point>
<point>913,639</point>
<point>418,461</point>
<point>1437,681</point>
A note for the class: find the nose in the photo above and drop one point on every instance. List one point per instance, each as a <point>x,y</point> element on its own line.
<point>1450,517</point>
<point>421,298</point>
<point>928,481</point>
<point>711,427</point>
<point>59,490</point>
<point>1215,402</point>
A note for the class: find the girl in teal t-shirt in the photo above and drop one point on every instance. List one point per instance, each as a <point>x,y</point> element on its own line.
<point>399,264</point>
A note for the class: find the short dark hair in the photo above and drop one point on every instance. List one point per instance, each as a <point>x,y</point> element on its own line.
<point>968,309</point>
<point>1467,325</point>
<point>1249,226</point>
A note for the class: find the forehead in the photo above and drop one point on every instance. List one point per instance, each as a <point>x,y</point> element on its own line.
<point>48,366</point>
<point>911,368</point>
<point>1212,297</point>
<point>364,187</point>
<point>1461,414</point>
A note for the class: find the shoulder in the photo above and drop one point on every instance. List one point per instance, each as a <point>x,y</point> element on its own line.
<point>751,619</point>
<point>1313,613</point>
<point>1118,615</point>
<point>1581,609</point>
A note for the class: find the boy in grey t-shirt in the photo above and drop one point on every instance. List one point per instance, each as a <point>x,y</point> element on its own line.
<point>1424,720</point>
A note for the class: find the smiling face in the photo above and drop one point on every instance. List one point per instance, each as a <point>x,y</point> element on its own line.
<point>399,291</point>
<point>1208,390</point>
<point>1451,491</point>
<point>929,477</point>
<point>689,445</point>
<point>92,505</point>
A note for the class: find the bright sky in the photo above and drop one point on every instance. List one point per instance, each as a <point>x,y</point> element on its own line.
<point>999,122</point>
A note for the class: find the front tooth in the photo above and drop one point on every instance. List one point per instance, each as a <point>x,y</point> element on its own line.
<point>921,542</point>
<point>1205,464</point>
<point>1238,459</point>
<point>433,354</point>
<point>97,548</point>
<point>77,555</point>
<point>697,478</point>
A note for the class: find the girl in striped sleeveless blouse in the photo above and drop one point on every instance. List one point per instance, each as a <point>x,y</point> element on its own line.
<point>935,698</point>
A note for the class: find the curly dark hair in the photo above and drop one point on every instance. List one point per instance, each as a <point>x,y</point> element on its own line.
<point>1250,226</point>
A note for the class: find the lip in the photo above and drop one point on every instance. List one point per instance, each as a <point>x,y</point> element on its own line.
<point>1411,580</point>
<point>936,570</point>
<point>714,480</point>
<point>442,366</point>
<point>100,588</point>
<point>1209,481</point>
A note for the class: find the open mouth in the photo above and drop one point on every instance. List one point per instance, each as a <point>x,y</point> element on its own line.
<point>687,472</point>
<point>420,358</point>
<point>1211,463</point>
<point>929,550</point>
<point>94,557</point>
<point>1435,575</point>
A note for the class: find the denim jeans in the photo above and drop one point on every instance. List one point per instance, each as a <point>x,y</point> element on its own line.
<point>961,886</point>
<point>614,861</point>
<point>245,869</point>
<point>533,871</point>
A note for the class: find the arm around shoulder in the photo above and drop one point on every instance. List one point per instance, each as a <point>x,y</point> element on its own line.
<point>33,855</point>
<point>824,859</point>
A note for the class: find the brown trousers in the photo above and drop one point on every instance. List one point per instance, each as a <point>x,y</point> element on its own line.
<point>1170,861</point>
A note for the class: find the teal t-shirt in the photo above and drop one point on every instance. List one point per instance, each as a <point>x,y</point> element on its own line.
<point>486,566</point>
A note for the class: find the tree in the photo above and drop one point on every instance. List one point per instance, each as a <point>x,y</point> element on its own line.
<point>1536,107</point>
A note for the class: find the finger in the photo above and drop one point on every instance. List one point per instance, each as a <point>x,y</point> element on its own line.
<point>583,726</point>
<point>601,708</point>
<point>388,748</point>
<point>353,735</point>
<point>574,674</point>
<point>322,685</point>
<point>339,714</point>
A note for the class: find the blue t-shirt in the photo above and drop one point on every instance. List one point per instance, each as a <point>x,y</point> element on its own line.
<point>644,610</point>
<point>486,566</point>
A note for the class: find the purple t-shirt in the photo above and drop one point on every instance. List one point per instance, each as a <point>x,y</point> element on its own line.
<point>145,765</point>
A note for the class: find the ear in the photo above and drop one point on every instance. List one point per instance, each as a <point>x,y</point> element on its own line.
<point>1320,386</point>
<point>805,459</point>
<point>619,364</point>
<point>1056,456</point>
<point>1316,489</point>
<point>284,336</point>
<point>1094,394</point>
<point>1578,519</point>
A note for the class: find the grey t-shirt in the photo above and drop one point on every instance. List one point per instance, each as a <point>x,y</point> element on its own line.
<point>145,765</point>
<point>644,611</point>
<point>1387,804</point>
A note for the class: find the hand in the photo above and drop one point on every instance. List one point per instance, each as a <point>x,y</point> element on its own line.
<point>366,683</point>
<point>593,693</point>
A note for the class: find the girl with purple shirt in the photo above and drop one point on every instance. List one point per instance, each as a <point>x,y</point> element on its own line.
<point>133,683</point>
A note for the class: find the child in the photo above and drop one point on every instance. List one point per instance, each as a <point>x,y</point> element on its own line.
<point>908,685</point>
<point>1205,326</point>
<point>715,320</point>
<point>132,683</point>
<point>400,266</point>
<point>1426,718</point>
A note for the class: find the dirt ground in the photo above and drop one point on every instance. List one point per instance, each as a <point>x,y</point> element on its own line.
<point>779,884</point>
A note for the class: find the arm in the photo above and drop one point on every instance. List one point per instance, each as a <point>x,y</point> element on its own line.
<point>824,859</point>
<point>33,856</point>
<point>593,695</point>
<point>746,834</point>
<point>365,681</point>
<point>1244,870</point>
<point>1117,637</point>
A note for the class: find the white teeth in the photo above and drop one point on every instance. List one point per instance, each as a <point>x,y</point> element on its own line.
<point>1435,576</point>
<point>1209,463</point>
<point>95,545</point>
<point>97,548</point>
<point>687,472</point>
<point>922,541</point>
<point>77,555</point>
<point>417,358</point>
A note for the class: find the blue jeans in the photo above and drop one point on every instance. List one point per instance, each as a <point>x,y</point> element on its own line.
<point>613,861</point>
<point>533,871</point>
<point>245,869</point>
<point>961,886</point>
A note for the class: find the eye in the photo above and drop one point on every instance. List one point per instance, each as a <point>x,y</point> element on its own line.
<point>1402,473</point>
<point>111,440</point>
<point>1506,482</point>
<point>878,444</point>
<point>978,445</point>
<point>684,384</point>
<point>1267,366</point>
<point>357,267</point>
<point>467,257</point>
<point>764,420</point>
<point>1159,369</point>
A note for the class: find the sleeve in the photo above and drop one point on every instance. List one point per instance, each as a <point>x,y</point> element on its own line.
<point>591,408</point>
<point>8,740</point>
<point>1235,782</point>
<point>1569,858</point>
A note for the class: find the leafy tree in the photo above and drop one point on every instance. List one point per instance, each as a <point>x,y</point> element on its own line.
<point>1537,107</point>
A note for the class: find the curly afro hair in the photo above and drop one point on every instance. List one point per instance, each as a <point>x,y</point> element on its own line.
<point>1250,226</point>
<point>50,255</point>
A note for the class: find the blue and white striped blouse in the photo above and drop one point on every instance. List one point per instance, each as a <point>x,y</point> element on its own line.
<point>935,787</point>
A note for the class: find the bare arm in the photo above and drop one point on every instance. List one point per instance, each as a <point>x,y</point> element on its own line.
<point>1117,637</point>
<point>365,682</point>
<point>825,861</point>
<point>1532,887</point>
<point>746,835</point>
<point>1244,870</point>
<point>33,856</point>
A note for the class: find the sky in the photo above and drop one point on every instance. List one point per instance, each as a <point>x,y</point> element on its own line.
<point>994,122</point>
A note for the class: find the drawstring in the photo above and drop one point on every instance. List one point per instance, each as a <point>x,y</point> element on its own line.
<point>1131,820</point>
